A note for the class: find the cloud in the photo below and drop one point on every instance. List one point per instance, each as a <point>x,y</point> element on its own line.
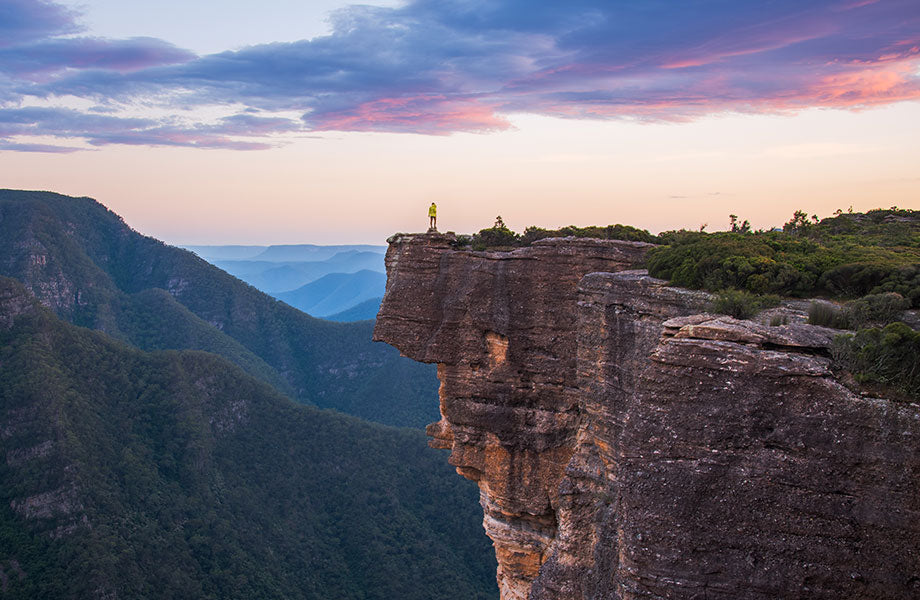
<point>431,114</point>
<point>102,129</point>
<point>38,61</point>
<point>46,148</point>
<point>23,21</point>
<point>438,67</point>
<point>65,122</point>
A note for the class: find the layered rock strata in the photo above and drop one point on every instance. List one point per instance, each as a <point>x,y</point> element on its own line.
<point>501,327</point>
<point>628,445</point>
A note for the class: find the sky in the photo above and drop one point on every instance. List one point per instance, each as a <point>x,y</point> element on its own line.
<point>286,121</point>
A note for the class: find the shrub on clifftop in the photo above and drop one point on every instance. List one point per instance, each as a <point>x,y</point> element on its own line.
<point>741,304</point>
<point>499,236</point>
<point>882,356</point>
<point>848,256</point>
<point>496,236</point>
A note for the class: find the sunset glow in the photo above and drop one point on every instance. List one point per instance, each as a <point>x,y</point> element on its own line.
<point>548,113</point>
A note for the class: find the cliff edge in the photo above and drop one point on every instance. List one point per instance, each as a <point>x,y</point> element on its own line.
<point>628,445</point>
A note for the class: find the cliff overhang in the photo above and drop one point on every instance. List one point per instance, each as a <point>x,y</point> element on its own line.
<point>629,445</point>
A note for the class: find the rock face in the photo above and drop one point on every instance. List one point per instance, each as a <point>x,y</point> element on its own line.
<point>628,445</point>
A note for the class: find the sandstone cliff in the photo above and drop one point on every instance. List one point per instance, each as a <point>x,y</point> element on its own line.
<point>628,445</point>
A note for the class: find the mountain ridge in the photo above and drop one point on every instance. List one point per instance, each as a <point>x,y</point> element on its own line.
<point>301,252</point>
<point>364,311</point>
<point>282,276</point>
<point>87,264</point>
<point>336,292</point>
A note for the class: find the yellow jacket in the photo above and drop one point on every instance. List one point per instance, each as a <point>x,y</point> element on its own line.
<point>433,210</point>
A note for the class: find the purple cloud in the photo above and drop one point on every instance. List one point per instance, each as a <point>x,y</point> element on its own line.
<point>437,67</point>
<point>102,130</point>
<point>174,136</point>
<point>38,61</point>
<point>65,122</point>
<point>27,20</point>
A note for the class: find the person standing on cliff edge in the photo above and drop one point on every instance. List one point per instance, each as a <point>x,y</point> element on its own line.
<point>433,217</point>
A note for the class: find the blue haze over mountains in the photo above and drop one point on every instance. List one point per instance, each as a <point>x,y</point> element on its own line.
<point>323,281</point>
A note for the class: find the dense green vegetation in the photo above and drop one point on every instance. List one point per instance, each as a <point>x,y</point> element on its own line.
<point>499,236</point>
<point>846,256</point>
<point>886,356</point>
<point>868,311</point>
<point>741,304</point>
<point>177,475</point>
<point>95,271</point>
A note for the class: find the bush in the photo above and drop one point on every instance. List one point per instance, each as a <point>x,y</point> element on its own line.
<point>875,309</point>
<point>777,320</point>
<point>856,279</point>
<point>741,304</point>
<point>904,280</point>
<point>886,356</point>
<point>872,310</point>
<point>610,232</point>
<point>500,236</point>
<point>497,236</point>
<point>826,314</point>
<point>462,241</point>
<point>680,236</point>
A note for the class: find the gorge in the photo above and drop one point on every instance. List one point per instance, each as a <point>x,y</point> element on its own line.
<point>627,444</point>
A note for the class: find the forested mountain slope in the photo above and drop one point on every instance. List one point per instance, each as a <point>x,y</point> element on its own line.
<point>92,269</point>
<point>169,474</point>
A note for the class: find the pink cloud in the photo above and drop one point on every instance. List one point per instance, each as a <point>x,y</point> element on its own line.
<point>433,114</point>
<point>876,84</point>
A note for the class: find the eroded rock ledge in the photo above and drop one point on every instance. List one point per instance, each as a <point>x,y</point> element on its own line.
<point>628,445</point>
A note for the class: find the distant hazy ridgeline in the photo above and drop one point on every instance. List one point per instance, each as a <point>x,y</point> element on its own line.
<point>293,274</point>
<point>229,252</point>
<point>336,292</point>
<point>359,312</point>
